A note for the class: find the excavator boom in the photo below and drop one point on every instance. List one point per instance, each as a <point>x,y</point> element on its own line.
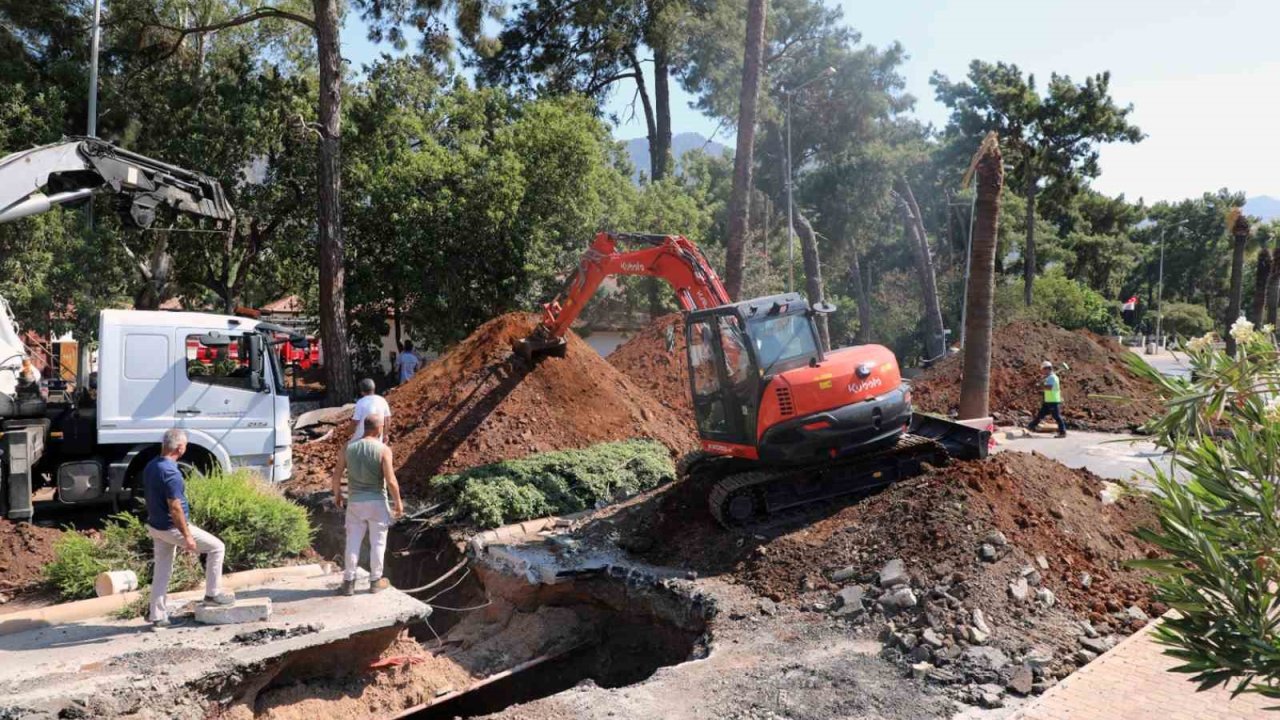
<point>672,258</point>
<point>34,181</point>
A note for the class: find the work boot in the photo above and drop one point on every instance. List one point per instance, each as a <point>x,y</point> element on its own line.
<point>220,599</point>
<point>348,587</point>
<point>379,585</point>
<point>1061,434</point>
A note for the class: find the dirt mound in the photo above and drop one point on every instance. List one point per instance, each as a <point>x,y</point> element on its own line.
<point>1099,391</point>
<point>1042,522</point>
<point>24,551</point>
<point>655,360</point>
<point>478,404</point>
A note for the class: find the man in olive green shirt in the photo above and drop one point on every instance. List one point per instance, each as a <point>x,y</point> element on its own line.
<point>370,476</point>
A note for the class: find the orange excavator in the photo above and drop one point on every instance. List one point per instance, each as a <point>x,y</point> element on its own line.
<point>783,422</point>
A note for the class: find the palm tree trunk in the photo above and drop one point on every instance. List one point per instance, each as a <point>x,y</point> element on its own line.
<point>975,382</point>
<point>812,273</point>
<point>743,159</point>
<point>1240,233</point>
<point>918,242</point>
<point>1029,254</point>
<point>333,314</point>
<point>1273,287</point>
<point>1258,303</point>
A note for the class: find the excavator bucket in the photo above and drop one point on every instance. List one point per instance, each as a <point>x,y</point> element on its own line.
<point>959,440</point>
<point>535,347</point>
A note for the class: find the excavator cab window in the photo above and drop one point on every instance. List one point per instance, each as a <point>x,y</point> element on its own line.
<point>724,377</point>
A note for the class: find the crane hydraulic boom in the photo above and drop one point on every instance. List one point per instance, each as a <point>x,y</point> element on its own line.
<point>672,258</point>
<point>34,181</point>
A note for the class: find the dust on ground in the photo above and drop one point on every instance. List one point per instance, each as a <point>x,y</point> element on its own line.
<point>1099,390</point>
<point>479,403</point>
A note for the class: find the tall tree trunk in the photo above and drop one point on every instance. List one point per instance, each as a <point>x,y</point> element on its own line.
<point>1258,303</point>
<point>1029,256</point>
<point>1240,232</point>
<point>646,105</point>
<point>863,297</point>
<point>975,381</point>
<point>660,147</point>
<point>744,156</point>
<point>1273,287</point>
<point>333,313</point>
<point>813,273</point>
<point>918,242</point>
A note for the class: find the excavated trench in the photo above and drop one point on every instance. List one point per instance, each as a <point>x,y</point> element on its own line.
<point>538,626</point>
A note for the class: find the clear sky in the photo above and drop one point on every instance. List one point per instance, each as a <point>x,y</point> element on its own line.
<point>1201,75</point>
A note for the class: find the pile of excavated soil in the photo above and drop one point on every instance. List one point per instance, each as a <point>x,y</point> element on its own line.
<point>656,361</point>
<point>1043,522</point>
<point>479,403</point>
<point>1099,390</point>
<point>24,551</point>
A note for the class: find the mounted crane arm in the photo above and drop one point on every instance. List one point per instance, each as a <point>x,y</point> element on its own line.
<point>34,181</point>
<point>672,258</point>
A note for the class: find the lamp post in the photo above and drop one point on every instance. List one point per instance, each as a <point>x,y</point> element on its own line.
<point>92,125</point>
<point>791,234</point>
<point>1160,289</point>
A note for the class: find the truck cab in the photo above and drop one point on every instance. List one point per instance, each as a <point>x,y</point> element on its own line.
<point>217,377</point>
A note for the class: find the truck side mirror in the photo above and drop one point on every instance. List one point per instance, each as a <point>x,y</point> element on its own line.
<point>255,381</point>
<point>257,363</point>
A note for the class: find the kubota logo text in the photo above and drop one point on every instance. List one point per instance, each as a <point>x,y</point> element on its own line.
<point>870,384</point>
<point>632,267</point>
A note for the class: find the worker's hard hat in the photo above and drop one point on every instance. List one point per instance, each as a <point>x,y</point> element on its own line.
<point>1046,364</point>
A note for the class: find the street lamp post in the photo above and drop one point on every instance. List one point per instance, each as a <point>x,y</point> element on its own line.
<point>1160,289</point>
<point>791,234</point>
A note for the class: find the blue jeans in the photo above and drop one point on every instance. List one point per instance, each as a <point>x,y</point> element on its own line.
<point>1047,409</point>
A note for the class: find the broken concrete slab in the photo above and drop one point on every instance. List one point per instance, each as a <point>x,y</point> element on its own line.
<point>48,669</point>
<point>242,611</point>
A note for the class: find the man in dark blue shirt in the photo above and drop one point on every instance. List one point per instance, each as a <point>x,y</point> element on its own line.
<point>167,523</point>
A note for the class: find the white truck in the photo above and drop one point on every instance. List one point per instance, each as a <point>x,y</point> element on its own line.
<point>215,376</point>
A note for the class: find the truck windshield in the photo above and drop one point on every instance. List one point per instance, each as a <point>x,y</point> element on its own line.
<point>780,339</point>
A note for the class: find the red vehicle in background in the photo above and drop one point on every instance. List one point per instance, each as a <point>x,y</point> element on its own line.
<point>290,356</point>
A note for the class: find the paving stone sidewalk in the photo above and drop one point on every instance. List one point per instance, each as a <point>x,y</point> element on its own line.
<point>1132,682</point>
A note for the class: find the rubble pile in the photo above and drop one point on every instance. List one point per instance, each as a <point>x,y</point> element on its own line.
<point>479,403</point>
<point>986,577</point>
<point>1099,390</point>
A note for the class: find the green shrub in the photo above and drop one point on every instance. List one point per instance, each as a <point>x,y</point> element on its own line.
<point>1185,319</point>
<point>123,545</point>
<point>1060,300</point>
<point>554,483</point>
<point>259,526</point>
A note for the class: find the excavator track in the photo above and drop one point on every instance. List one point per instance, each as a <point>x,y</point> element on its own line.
<point>760,495</point>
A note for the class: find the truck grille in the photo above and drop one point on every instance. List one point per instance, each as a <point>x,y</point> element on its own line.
<point>786,405</point>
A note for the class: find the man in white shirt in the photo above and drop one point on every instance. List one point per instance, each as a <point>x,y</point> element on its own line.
<point>370,403</point>
<point>407,363</point>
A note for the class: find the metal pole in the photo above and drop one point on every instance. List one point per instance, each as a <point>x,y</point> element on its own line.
<point>93,70</point>
<point>1160,295</point>
<point>791,236</point>
<point>968,258</point>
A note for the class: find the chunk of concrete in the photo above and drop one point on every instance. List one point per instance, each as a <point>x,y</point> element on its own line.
<point>893,573</point>
<point>243,611</point>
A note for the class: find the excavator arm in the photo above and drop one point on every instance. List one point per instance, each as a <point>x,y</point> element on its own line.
<point>34,181</point>
<point>671,257</point>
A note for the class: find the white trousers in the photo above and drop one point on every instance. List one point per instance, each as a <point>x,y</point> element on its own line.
<point>374,517</point>
<point>166,544</point>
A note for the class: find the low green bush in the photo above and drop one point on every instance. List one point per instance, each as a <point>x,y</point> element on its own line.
<point>1060,300</point>
<point>259,526</point>
<point>1185,319</point>
<point>554,483</point>
<point>123,545</point>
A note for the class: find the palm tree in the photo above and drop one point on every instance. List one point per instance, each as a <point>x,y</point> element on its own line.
<point>744,157</point>
<point>975,383</point>
<point>1239,226</point>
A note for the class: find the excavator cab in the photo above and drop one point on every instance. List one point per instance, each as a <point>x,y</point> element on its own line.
<point>733,352</point>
